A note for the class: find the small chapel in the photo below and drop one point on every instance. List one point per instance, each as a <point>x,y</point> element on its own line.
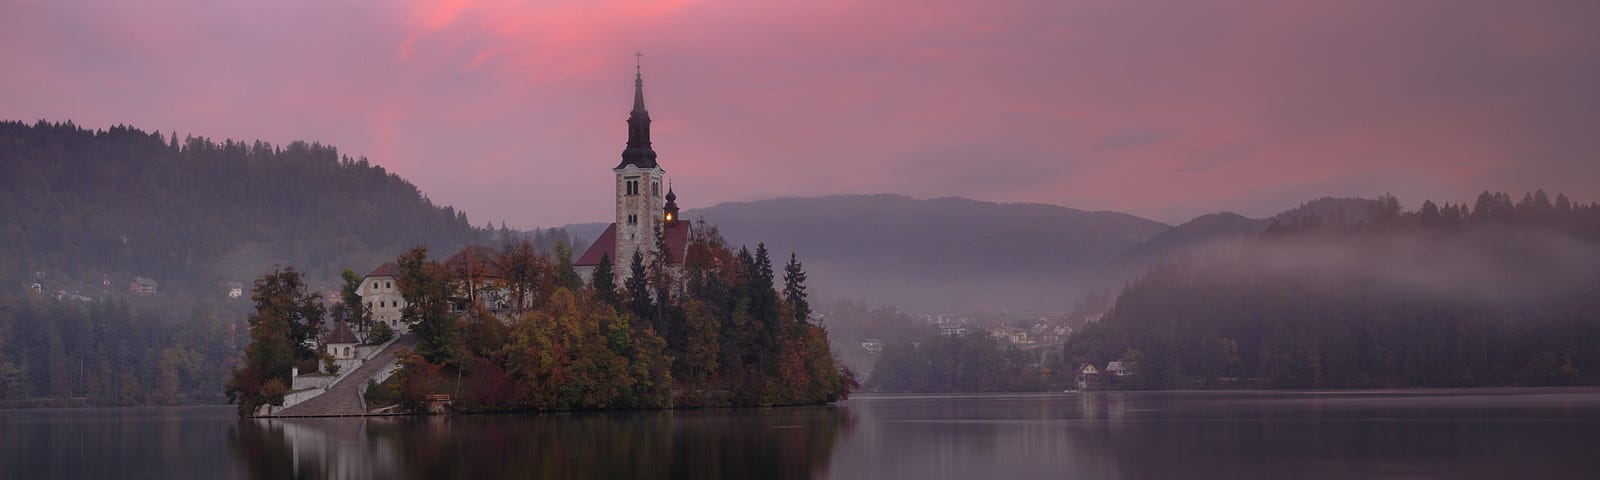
<point>642,209</point>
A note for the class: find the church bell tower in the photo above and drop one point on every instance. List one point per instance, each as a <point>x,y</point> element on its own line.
<point>639,198</point>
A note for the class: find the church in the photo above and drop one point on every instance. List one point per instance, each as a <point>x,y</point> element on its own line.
<point>642,209</point>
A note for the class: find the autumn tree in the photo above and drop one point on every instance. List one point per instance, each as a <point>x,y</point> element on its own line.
<point>526,271</point>
<point>573,353</point>
<point>285,322</point>
<point>426,286</point>
<point>350,308</point>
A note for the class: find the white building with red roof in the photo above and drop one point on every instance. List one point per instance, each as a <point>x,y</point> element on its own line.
<point>380,291</point>
<point>342,342</point>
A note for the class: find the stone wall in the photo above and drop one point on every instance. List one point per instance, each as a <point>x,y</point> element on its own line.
<point>306,387</point>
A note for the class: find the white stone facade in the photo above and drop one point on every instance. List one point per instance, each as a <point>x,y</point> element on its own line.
<point>639,216</point>
<point>342,351</point>
<point>381,294</point>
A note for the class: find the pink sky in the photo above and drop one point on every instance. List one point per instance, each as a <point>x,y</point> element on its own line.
<point>515,111</point>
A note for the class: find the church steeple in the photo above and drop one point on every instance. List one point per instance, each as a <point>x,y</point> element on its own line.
<point>639,152</point>
<point>638,92</point>
<point>671,209</point>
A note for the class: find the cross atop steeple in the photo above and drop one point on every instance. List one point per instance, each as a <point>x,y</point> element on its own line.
<point>638,84</point>
<point>639,152</point>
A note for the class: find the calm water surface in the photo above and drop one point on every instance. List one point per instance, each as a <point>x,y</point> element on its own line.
<point>1513,433</point>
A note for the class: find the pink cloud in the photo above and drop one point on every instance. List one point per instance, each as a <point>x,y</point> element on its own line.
<point>514,110</point>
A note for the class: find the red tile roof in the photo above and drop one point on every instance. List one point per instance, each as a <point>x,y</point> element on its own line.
<point>477,260</point>
<point>341,334</point>
<point>386,270</point>
<point>606,244</point>
<point>677,243</point>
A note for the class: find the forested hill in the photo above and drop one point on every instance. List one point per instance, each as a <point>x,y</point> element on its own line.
<point>942,254</point>
<point>1496,293</point>
<point>84,205</point>
<point>1207,231</point>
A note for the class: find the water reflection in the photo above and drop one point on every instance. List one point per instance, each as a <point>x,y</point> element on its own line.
<point>739,443</point>
<point>1511,433</point>
<point>1398,434</point>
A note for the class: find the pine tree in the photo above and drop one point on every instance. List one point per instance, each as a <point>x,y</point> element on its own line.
<point>763,298</point>
<point>604,281</point>
<point>638,286</point>
<point>566,276</point>
<point>794,289</point>
<point>351,309</point>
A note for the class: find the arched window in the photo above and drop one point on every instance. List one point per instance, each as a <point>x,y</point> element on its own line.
<point>346,351</point>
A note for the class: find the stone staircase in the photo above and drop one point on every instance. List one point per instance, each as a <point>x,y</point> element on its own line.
<point>343,399</point>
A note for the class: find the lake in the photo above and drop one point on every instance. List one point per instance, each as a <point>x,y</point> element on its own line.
<point>1469,433</point>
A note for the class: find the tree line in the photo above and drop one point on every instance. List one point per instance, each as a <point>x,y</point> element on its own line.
<point>966,363</point>
<point>84,211</point>
<point>116,352</point>
<point>710,329</point>
<point>78,204</point>
<point>1499,292</point>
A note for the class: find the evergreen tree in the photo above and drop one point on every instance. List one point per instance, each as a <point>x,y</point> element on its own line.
<point>638,286</point>
<point>763,297</point>
<point>794,289</point>
<point>566,276</point>
<point>605,282</point>
<point>351,309</point>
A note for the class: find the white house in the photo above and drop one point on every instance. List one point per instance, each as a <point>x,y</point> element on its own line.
<point>143,286</point>
<point>1088,377</point>
<point>381,295</point>
<point>1120,369</point>
<point>342,342</point>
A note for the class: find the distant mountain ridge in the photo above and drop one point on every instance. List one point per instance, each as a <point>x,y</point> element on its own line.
<point>957,255</point>
<point>941,254</point>
<point>1207,231</point>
